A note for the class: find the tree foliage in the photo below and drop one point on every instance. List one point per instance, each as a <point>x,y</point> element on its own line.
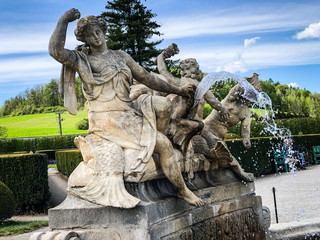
<point>130,28</point>
<point>40,99</point>
<point>287,102</point>
<point>221,88</point>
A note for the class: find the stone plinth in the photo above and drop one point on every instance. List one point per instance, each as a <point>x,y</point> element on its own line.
<point>232,211</point>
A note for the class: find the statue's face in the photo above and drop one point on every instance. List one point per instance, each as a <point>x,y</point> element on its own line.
<point>94,36</point>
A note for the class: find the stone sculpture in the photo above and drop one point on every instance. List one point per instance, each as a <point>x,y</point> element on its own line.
<point>146,134</point>
<point>211,142</point>
<point>131,123</point>
<point>232,110</point>
<point>123,134</point>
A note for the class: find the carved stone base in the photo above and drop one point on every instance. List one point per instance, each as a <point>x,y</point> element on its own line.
<point>232,211</point>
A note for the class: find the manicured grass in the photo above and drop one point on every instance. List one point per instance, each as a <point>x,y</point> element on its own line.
<point>53,166</point>
<point>42,124</point>
<point>11,228</point>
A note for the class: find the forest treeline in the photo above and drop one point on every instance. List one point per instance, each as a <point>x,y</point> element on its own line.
<point>39,99</point>
<point>287,102</point>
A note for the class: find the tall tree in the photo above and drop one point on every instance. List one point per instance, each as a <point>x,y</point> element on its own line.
<point>130,28</point>
<point>51,93</point>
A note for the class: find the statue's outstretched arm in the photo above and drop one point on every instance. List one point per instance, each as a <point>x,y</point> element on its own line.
<point>58,38</point>
<point>153,82</point>
<point>161,64</point>
<point>216,104</point>
<point>245,130</point>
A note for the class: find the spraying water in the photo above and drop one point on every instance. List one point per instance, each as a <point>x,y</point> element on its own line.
<point>260,100</point>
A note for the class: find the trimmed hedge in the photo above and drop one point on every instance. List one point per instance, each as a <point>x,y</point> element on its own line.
<point>7,202</point>
<point>296,126</point>
<point>27,177</point>
<point>39,143</point>
<point>68,160</point>
<point>259,158</point>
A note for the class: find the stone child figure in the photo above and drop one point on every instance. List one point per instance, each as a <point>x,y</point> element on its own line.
<point>122,134</point>
<point>238,112</point>
<point>215,128</point>
<point>190,73</point>
<point>180,128</point>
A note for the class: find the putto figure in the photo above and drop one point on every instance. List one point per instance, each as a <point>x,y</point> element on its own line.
<point>212,144</point>
<point>123,134</point>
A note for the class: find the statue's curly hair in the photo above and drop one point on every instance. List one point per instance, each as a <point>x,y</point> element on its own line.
<point>83,24</point>
<point>186,65</point>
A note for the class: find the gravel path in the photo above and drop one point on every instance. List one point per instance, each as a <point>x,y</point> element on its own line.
<point>297,195</point>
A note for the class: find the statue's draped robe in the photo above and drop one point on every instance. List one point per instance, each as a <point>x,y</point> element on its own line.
<point>126,130</point>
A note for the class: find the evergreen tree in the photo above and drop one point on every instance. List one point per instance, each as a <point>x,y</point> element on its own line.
<point>130,29</point>
<point>51,94</point>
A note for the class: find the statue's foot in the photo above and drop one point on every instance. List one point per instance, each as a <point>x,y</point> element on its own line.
<point>248,177</point>
<point>190,198</point>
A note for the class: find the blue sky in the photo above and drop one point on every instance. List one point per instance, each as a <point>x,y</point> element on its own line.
<point>277,39</point>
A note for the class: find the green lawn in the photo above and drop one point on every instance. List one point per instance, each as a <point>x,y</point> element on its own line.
<point>11,228</point>
<point>42,124</point>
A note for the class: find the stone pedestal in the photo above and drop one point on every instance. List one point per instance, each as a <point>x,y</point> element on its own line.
<point>232,211</point>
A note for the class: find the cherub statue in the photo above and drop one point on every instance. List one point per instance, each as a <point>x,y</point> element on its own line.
<point>184,118</point>
<point>190,73</point>
<point>215,129</point>
<point>123,134</point>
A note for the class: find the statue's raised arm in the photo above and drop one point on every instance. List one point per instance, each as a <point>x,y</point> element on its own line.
<point>58,38</point>
<point>123,134</point>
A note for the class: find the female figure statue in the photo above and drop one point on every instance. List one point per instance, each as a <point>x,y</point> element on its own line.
<point>122,133</point>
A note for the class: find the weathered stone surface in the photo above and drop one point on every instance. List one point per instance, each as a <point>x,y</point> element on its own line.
<point>146,147</point>
<point>123,132</point>
<point>232,205</point>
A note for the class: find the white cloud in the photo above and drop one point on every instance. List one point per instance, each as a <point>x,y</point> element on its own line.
<point>312,31</point>
<point>293,85</point>
<point>239,20</point>
<point>19,39</point>
<point>238,64</point>
<point>28,69</point>
<point>233,67</point>
<point>251,41</point>
<point>255,57</point>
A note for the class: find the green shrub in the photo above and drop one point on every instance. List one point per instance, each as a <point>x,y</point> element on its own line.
<point>7,202</point>
<point>3,132</point>
<point>207,109</point>
<point>83,124</point>
<point>39,143</point>
<point>68,160</point>
<point>27,177</point>
<point>259,158</point>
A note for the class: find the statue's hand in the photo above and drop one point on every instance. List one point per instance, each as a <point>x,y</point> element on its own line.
<point>171,50</point>
<point>188,90</point>
<point>224,114</point>
<point>246,143</point>
<point>71,15</point>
